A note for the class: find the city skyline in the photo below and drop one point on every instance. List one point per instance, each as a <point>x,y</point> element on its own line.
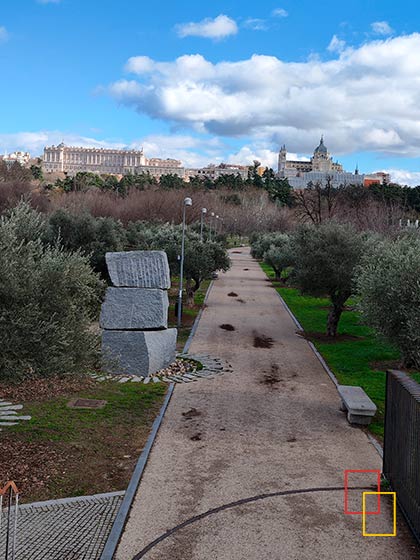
<point>226,83</point>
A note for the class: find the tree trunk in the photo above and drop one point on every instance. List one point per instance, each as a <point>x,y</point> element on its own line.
<point>191,289</point>
<point>333,319</point>
<point>277,273</point>
<point>190,292</point>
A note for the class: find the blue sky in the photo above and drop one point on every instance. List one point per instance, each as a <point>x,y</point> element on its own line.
<point>216,81</point>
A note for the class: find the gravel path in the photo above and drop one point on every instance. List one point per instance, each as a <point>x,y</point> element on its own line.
<point>272,425</point>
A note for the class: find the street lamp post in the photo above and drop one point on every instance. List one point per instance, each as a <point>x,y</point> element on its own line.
<point>187,202</point>
<point>215,225</point>
<point>203,213</point>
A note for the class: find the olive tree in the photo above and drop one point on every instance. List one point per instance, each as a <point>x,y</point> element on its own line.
<point>279,255</point>
<point>48,300</point>
<point>389,288</point>
<point>325,259</point>
<point>93,236</point>
<point>201,260</point>
<point>260,244</point>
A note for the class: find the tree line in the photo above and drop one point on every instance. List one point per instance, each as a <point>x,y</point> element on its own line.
<point>53,276</point>
<point>336,261</point>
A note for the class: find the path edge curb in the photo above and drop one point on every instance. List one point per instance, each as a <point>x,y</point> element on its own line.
<point>120,521</point>
<point>324,364</point>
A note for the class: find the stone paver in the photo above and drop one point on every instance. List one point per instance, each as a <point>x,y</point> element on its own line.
<point>9,416</point>
<point>71,529</point>
<point>272,425</point>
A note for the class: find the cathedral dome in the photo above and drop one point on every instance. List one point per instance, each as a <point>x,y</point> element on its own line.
<point>321,149</point>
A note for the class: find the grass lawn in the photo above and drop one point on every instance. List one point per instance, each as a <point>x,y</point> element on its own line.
<point>362,359</point>
<point>69,452</point>
<point>64,452</point>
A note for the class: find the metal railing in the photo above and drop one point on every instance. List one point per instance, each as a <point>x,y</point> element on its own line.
<point>9,505</point>
<point>401,464</point>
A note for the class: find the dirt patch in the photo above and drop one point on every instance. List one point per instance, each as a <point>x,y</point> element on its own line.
<point>322,337</point>
<point>391,364</point>
<point>196,437</point>
<point>239,300</point>
<point>41,390</point>
<point>291,440</point>
<point>237,252</point>
<point>246,269</point>
<point>227,327</point>
<point>346,307</point>
<point>272,378</point>
<point>190,414</point>
<point>262,341</point>
<point>232,294</point>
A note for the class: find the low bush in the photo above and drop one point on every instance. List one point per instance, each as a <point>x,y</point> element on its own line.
<point>389,288</point>
<point>48,300</point>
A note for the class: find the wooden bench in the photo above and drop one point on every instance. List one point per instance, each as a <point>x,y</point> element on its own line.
<point>360,409</point>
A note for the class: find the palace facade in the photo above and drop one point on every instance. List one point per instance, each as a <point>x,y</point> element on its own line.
<point>319,168</point>
<point>72,159</point>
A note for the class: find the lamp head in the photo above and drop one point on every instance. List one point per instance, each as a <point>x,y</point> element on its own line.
<point>212,214</point>
<point>204,210</point>
<point>188,201</point>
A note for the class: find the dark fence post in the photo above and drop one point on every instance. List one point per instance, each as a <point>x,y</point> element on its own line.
<point>401,461</point>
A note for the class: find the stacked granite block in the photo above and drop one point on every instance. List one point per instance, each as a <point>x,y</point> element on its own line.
<point>136,339</point>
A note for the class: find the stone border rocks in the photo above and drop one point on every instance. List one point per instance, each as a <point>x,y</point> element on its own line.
<point>9,415</point>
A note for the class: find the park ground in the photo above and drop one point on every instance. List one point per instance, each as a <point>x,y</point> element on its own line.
<point>63,452</point>
<point>229,448</point>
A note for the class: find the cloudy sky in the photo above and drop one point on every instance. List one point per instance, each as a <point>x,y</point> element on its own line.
<point>219,81</point>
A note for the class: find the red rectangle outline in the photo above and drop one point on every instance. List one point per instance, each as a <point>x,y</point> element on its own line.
<point>346,491</point>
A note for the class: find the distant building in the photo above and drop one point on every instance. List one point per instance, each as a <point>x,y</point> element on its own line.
<point>318,169</point>
<point>378,178</point>
<point>213,172</point>
<point>71,160</point>
<point>19,157</point>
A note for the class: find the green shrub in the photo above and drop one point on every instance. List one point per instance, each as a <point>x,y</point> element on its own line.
<point>48,299</point>
<point>93,236</point>
<point>389,288</point>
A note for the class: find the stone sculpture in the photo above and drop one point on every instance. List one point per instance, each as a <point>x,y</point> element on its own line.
<point>136,339</point>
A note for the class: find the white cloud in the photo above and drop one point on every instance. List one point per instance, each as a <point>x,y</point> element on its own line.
<point>34,142</point>
<point>404,177</point>
<point>139,65</point>
<point>4,35</point>
<point>381,28</point>
<point>280,12</point>
<point>218,28</point>
<point>256,24</point>
<point>366,98</point>
<point>336,45</point>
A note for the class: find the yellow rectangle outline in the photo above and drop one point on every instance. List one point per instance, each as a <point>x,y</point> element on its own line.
<point>365,534</point>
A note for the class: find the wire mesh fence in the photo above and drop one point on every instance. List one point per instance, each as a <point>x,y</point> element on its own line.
<point>9,511</point>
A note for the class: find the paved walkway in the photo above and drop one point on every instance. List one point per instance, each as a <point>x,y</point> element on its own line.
<point>272,425</point>
<point>68,529</point>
